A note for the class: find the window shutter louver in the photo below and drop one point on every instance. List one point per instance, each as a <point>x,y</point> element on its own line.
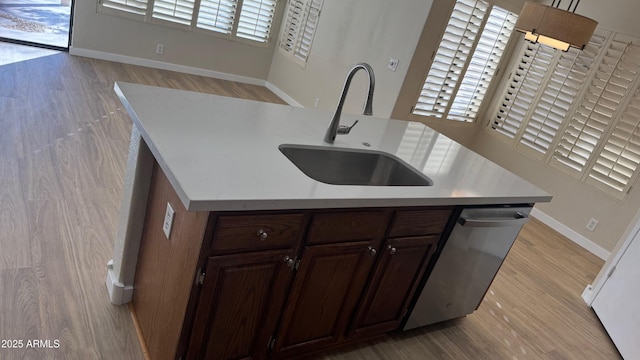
<point>255,20</point>
<point>234,19</point>
<point>138,7</point>
<point>292,25</point>
<point>601,103</point>
<point>303,49</point>
<point>483,65</point>
<point>566,82</point>
<point>217,15</point>
<point>174,11</point>
<point>522,89</point>
<point>300,28</point>
<point>450,58</point>
<point>617,163</point>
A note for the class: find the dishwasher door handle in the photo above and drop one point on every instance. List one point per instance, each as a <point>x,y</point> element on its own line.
<point>519,220</point>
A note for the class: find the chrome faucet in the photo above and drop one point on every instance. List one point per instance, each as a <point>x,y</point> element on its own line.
<point>334,127</point>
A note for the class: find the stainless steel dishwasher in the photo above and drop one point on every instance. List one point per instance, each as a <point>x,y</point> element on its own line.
<point>468,263</point>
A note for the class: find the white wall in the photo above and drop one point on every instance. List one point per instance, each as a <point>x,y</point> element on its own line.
<point>349,32</point>
<point>107,33</point>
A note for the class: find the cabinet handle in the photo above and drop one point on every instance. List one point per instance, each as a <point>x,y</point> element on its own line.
<point>372,251</point>
<point>262,234</point>
<point>289,261</point>
<point>392,250</point>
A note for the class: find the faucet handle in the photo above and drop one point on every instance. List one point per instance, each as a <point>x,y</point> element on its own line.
<point>342,129</point>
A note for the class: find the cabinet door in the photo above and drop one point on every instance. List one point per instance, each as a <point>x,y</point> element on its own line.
<point>400,266</point>
<point>323,296</point>
<point>239,305</point>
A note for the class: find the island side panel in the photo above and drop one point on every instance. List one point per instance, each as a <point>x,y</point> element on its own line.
<point>121,269</point>
<point>166,268</point>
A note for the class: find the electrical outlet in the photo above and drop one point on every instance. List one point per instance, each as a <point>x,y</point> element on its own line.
<point>316,103</point>
<point>393,64</point>
<point>591,225</point>
<point>168,220</point>
<point>160,49</point>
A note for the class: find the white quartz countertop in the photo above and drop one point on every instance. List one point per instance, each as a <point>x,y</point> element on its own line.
<point>222,154</point>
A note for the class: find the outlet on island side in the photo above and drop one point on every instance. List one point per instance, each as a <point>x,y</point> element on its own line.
<point>591,225</point>
<point>168,220</point>
<point>159,49</point>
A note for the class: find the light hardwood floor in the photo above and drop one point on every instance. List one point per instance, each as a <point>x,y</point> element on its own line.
<point>63,145</point>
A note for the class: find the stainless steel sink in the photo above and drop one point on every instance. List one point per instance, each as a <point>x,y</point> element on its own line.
<point>340,166</point>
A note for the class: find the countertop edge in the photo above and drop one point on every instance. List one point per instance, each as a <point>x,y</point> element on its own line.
<point>312,203</point>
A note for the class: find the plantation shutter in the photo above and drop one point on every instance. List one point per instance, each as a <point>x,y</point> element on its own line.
<point>217,15</point>
<point>451,57</point>
<point>618,161</point>
<point>300,28</point>
<point>601,103</point>
<point>523,88</point>
<point>255,20</point>
<point>483,65</point>
<point>174,11</point>
<point>292,25</point>
<point>138,7</point>
<point>567,80</point>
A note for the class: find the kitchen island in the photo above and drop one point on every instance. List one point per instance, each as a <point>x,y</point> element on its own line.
<point>253,235</point>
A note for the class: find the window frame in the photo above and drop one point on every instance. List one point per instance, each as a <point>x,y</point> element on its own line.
<point>104,8</point>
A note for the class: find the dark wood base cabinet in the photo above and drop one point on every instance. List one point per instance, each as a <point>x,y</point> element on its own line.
<point>280,284</point>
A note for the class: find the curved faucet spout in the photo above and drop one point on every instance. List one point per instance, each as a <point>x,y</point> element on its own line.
<point>334,127</point>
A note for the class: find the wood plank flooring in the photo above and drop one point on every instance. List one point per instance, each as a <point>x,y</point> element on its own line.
<point>63,145</point>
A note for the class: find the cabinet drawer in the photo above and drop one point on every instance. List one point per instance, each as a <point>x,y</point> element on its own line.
<point>347,226</point>
<point>419,222</point>
<point>256,232</point>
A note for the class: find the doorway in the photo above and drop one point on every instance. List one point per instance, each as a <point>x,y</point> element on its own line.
<point>42,23</point>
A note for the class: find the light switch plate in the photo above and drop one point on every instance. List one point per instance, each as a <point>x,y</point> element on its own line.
<point>168,220</point>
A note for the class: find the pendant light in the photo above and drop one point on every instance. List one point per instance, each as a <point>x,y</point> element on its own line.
<point>552,26</point>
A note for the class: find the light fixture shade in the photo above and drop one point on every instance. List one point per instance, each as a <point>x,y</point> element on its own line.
<point>555,27</point>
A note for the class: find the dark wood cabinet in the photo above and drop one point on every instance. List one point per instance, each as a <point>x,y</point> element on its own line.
<point>239,305</point>
<point>401,264</point>
<point>325,291</point>
<point>334,267</point>
<point>280,284</point>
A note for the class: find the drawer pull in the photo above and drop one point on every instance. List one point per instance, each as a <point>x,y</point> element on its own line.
<point>391,249</point>
<point>262,234</point>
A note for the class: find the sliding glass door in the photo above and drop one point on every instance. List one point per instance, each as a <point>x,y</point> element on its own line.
<point>45,23</point>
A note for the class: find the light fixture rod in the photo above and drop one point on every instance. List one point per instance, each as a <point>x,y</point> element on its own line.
<point>575,8</point>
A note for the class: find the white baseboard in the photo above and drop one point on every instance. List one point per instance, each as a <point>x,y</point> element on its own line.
<point>119,294</point>
<point>165,66</point>
<point>571,234</point>
<point>588,295</point>
<point>283,95</point>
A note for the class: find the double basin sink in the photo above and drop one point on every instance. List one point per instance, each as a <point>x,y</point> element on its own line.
<point>340,166</point>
